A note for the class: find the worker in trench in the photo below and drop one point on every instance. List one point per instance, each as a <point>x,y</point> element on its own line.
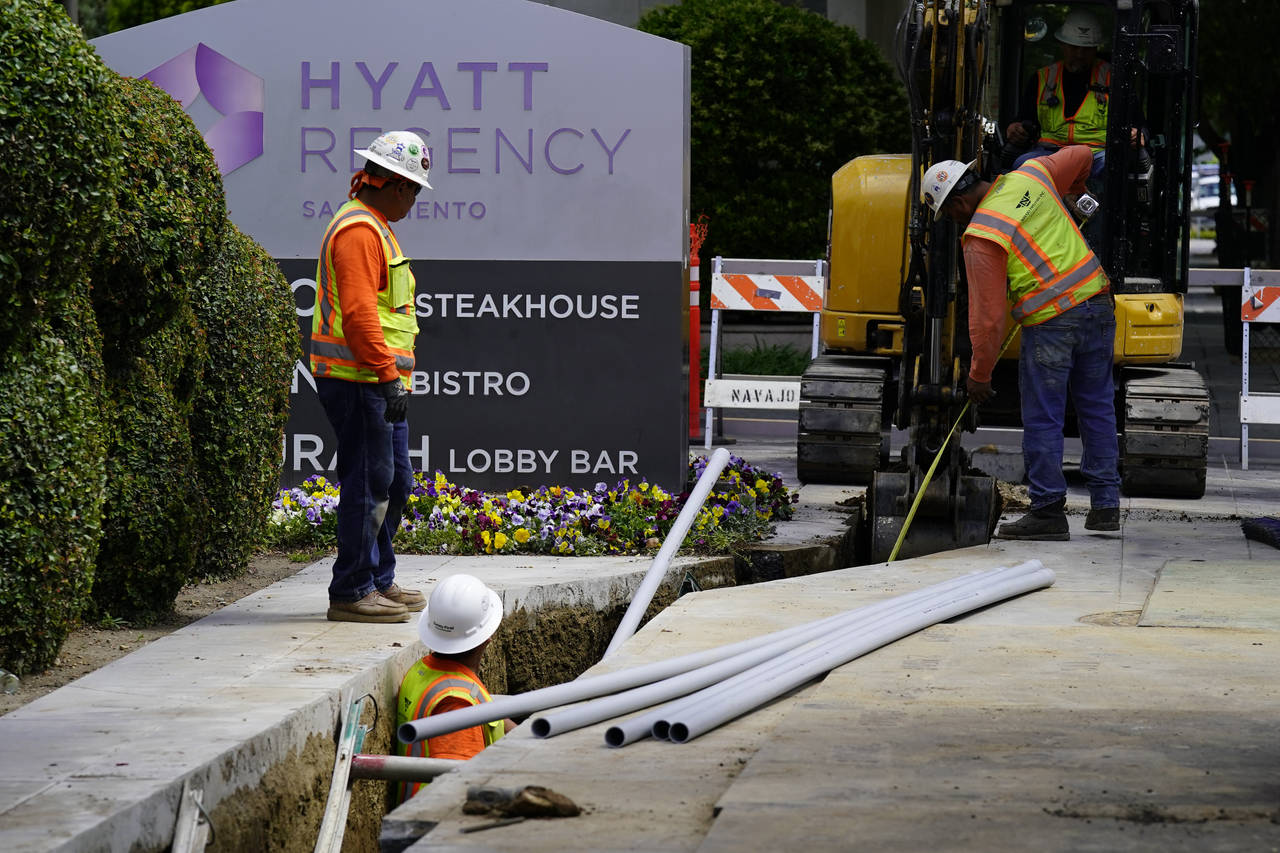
<point>1024,255</point>
<point>458,624</point>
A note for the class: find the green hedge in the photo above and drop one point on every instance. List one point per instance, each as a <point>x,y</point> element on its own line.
<point>144,366</point>
<point>151,519</point>
<point>61,161</point>
<point>172,216</point>
<point>247,311</point>
<point>51,475</point>
<point>60,156</point>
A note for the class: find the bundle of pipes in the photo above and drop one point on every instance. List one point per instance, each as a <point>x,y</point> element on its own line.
<point>722,683</point>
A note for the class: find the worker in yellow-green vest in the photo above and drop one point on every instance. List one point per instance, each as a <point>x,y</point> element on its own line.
<point>1025,256</point>
<point>456,627</point>
<point>362,338</point>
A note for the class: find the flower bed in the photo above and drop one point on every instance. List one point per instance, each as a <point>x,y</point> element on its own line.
<point>444,518</point>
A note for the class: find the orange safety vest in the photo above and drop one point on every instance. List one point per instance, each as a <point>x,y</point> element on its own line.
<point>330,355</point>
<point>421,691</point>
<point>1088,126</point>
<point>1051,268</point>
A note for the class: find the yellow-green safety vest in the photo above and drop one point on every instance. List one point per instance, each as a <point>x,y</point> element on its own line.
<point>1089,124</point>
<point>421,691</point>
<point>330,355</point>
<point>1051,268</point>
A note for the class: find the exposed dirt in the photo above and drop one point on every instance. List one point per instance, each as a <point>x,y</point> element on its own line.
<point>91,647</point>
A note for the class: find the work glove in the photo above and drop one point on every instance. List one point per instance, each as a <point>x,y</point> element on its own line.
<point>397,400</point>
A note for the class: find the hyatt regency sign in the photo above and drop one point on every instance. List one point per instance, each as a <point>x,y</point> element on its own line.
<point>551,256</point>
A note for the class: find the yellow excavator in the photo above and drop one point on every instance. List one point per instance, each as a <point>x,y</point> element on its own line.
<point>894,325</point>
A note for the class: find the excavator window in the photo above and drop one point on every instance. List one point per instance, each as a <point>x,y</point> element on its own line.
<point>1146,85</point>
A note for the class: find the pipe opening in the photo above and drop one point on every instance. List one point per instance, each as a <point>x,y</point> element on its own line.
<point>661,729</point>
<point>679,732</point>
<point>540,727</point>
<point>406,733</point>
<point>615,737</point>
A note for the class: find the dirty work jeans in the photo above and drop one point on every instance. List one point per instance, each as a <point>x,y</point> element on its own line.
<point>1070,354</point>
<point>374,476</point>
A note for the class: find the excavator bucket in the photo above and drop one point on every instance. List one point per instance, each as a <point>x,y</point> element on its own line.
<point>956,512</point>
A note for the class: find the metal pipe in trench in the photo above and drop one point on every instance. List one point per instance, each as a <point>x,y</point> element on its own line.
<point>683,683</point>
<point>399,768</point>
<point>675,538</point>
<point>657,721</point>
<point>778,677</point>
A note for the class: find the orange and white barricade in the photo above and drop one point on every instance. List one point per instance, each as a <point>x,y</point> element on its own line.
<point>1259,303</point>
<point>744,284</point>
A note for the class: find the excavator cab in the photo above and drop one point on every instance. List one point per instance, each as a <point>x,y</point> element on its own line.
<point>895,320</point>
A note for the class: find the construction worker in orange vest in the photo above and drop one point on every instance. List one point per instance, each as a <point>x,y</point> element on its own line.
<point>1024,255</point>
<point>362,338</point>
<point>456,627</point>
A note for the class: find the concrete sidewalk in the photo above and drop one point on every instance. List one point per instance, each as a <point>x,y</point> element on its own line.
<point>897,749</point>
<point>1132,706</point>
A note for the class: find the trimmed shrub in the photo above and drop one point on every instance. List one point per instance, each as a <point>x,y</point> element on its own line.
<point>61,159</point>
<point>51,475</point>
<point>247,311</point>
<point>780,99</point>
<point>172,215</point>
<point>152,517</point>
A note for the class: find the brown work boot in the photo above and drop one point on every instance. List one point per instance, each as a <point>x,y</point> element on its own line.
<point>374,607</point>
<point>1103,518</point>
<point>1046,524</point>
<point>412,599</point>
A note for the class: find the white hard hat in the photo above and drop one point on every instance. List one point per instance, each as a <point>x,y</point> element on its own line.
<point>940,179</point>
<point>461,614</point>
<point>1080,28</point>
<point>403,153</point>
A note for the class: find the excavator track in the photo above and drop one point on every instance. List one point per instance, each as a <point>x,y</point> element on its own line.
<point>1165,445</point>
<point>841,438</point>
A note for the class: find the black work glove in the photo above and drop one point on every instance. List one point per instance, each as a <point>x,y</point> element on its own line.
<point>397,400</point>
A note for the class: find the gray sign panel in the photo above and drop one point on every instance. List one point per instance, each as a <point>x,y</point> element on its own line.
<point>551,255</point>
<point>529,373</point>
<point>554,136</point>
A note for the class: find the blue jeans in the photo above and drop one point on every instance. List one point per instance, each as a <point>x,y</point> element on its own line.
<point>1095,171</point>
<point>375,477</point>
<point>1070,354</point>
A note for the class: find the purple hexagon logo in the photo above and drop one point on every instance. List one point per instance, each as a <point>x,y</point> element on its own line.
<point>237,94</point>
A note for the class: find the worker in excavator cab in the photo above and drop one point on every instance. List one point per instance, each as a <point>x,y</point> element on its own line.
<point>1066,103</point>
<point>1024,255</point>
<point>460,620</point>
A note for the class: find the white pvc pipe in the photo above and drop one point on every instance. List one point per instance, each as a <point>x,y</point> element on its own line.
<point>694,679</point>
<point>556,695</point>
<point>675,538</point>
<point>780,676</point>
<point>733,692</point>
<point>656,722</point>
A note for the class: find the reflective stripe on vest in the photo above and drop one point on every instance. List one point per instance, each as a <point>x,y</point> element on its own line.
<point>1089,124</point>
<point>330,355</point>
<point>1050,266</point>
<point>421,691</point>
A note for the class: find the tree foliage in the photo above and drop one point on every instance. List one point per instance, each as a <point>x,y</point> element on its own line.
<point>780,99</point>
<point>1238,79</point>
